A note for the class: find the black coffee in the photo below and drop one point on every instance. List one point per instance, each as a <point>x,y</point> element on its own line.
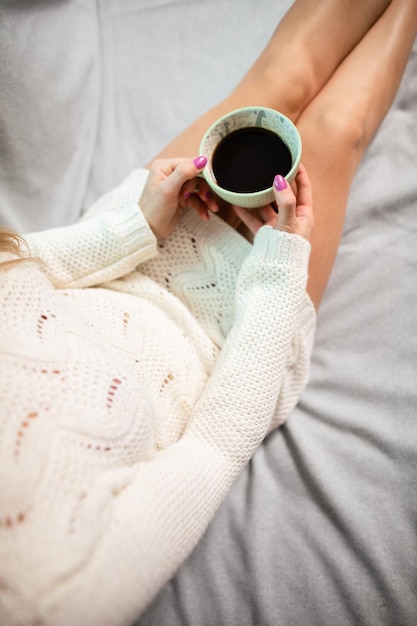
<point>248,160</point>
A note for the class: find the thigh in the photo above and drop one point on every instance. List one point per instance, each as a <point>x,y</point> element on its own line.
<point>306,47</point>
<point>340,122</point>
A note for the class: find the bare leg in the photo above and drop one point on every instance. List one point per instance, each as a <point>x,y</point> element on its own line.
<point>307,46</point>
<point>340,122</point>
<point>339,92</point>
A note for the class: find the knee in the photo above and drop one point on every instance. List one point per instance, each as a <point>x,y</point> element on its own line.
<point>341,126</point>
<point>285,89</point>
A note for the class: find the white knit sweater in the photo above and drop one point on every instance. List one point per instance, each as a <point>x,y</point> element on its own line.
<point>128,410</point>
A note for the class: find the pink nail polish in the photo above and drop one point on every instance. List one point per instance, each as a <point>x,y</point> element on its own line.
<point>280,183</point>
<point>200,162</point>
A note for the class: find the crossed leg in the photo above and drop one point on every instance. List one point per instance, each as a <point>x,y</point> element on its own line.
<point>341,121</point>
<point>341,63</point>
<point>306,47</point>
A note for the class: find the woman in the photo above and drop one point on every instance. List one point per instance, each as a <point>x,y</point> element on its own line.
<point>111,479</point>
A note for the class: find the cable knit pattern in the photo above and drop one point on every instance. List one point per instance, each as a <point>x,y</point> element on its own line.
<point>129,408</point>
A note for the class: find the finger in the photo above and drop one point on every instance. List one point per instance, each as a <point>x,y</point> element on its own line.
<point>195,203</point>
<point>304,193</point>
<point>248,218</point>
<point>165,166</point>
<point>199,187</point>
<point>305,212</point>
<point>268,214</point>
<point>287,203</point>
<point>189,187</point>
<point>204,192</point>
<point>181,172</point>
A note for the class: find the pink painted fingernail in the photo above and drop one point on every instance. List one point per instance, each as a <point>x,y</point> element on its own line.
<point>200,162</point>
<point>280,183</point>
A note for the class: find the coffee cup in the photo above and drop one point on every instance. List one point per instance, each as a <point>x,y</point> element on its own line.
<point>245,149</point>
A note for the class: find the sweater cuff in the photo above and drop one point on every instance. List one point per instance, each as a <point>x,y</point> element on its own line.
<point>135,234</point>
<point>276,245</point>
<point>130,225</point>
<point>112,239</point>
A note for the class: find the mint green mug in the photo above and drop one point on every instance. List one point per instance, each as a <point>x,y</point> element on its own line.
<point>261,119</point>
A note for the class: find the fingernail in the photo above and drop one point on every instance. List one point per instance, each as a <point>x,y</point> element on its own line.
<point>200,162</point>
<point>280,183</point>
<point>207,195</point>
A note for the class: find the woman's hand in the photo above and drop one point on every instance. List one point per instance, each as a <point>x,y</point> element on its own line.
<point>173,185</point>
<point>295,211</point>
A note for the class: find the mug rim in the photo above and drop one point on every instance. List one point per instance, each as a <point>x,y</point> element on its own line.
<point>234,196</point>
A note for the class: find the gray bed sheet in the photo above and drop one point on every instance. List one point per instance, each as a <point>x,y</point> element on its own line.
<point>320,528</point>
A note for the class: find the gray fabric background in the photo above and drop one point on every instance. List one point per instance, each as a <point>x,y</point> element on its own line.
<point>320,529</point>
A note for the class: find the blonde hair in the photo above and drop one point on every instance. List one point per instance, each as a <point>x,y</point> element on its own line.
<point>13,243</point>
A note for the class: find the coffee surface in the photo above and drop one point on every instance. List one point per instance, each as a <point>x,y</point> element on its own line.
<point>248,159</point>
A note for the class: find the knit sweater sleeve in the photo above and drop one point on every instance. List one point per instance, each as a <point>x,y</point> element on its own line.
<point>165,505</point>
<point>246,382</point>
<point>111,240</point>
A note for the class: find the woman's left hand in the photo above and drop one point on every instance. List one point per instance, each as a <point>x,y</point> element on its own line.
<point>295,210</point>
<point>173,185</point>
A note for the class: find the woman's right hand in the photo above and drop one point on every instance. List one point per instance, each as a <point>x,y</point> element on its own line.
<point>173,185</point>
<point>295,211</point>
